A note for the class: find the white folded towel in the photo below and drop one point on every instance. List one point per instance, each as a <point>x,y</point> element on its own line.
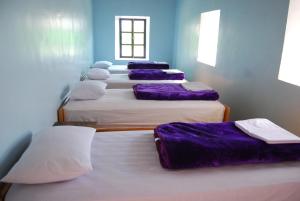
<point>267,131</point>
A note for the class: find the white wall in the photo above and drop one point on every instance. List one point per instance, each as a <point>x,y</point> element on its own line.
<point>44,45</point>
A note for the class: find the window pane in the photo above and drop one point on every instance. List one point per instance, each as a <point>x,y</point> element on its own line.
<point>126,25</point>
<point>126,51</point>
<point>290,63</point>
<point>208,38</point>
<point>139,51</point>
<point>126,38</point>
<point>139,26</point>
<point>139,39</point>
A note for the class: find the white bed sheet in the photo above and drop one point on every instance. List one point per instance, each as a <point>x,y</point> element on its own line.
<point>126,168</point>
<point>121,81</point>
<point>119,107</point>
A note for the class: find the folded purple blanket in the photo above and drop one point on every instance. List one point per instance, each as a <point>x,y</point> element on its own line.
<point>148,65</point>
<point>183,145</point>
<point>171,92</point>
<point>154,74</point>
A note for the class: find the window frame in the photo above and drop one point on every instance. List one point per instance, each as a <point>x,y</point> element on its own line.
<point>118,37</point>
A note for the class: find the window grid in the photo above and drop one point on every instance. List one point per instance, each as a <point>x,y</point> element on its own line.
<point>132,32</point>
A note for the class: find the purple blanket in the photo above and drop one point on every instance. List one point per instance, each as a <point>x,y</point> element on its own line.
<point>171,92</point>
<point>154,74</point>
<point>148,65</point>
<point>183,145</point>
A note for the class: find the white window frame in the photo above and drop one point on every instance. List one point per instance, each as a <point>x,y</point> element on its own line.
<point>117,38</point>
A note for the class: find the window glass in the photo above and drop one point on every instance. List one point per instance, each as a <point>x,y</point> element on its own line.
<point>208,37</point>
<point>290,63</point>
<point>139,38</point>
<point>126,51</point>
<point>126,38</point>
<point>126,25</point>
<point>139,26</point>
<point>139,51</point>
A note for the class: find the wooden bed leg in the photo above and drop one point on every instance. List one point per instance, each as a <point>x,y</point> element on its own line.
<point>226,114</point>
<point>60,115</point>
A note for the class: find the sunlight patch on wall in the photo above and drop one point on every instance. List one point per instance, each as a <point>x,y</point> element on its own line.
<point>61,37</point>
<point>290,62</point>
<point>208,37</point>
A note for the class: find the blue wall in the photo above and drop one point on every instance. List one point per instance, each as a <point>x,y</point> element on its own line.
<point>249,53</point>
<point>44,47</point>
<point>161,12</point>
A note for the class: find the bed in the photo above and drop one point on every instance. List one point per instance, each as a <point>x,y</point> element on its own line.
<point>127,168</point>
<point>122,81</point>
<point>119,108</point>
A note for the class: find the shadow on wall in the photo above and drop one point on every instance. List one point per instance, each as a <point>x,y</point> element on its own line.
<point>13,155</point>
<point>65,92</point>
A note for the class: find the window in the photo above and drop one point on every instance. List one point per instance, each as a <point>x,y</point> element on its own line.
<point>290,62</point>
<point>132,38</point>
<point>208,37</point>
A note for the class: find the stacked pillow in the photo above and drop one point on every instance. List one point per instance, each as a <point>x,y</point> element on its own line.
<point>55,154</point>
<point>98,74</point>
<point>102,64</point>
<point>88,90</point>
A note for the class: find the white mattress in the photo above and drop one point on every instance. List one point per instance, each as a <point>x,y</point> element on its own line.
<point>126,168</point>
<point>121,81</point>
<point>119,107</point>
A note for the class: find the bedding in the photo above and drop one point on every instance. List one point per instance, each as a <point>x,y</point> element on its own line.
<point>121,81</point>
<point>88,90</point>
<point>98,74</point>
<point>55,154</point>
<point>154,74</point>
<point>267,131</point>
<point>172,92</point>
<point>126,168</point>
<point>183,145</point>
<point>102,64</point>
<point>119,107</point>
<point>148,65</point>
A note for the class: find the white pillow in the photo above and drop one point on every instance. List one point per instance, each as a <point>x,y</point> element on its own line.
<point>98,74</point>
<point>88,90</point>
<point>102,64</point>
<point>55,154</point>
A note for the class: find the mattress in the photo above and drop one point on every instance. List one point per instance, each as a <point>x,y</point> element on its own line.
<point>119,107</point>
<point>121,81</point>
<point>127,168</point>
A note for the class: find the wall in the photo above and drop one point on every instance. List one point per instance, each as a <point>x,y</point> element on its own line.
<point>44,47</point>
<point>249,53</point>
<point>161,12</point>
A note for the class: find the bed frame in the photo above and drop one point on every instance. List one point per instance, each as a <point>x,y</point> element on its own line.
<point>104,128</point>
<point>3,190</point>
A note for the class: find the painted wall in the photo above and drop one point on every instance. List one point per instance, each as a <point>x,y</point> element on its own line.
<point>44,45</point>
<point>249,54</point>
<point>161,12</point>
